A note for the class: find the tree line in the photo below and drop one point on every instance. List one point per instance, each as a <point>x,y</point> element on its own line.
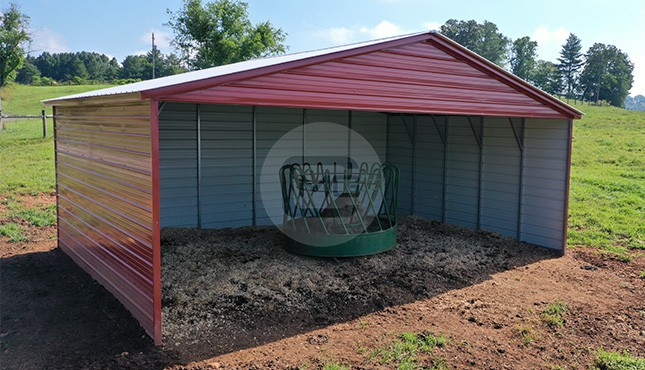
<point>220,32</point>
<point>88,67</point>
<point>603,74</point>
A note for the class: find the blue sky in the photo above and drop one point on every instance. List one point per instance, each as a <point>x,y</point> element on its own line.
<point>119,28</point>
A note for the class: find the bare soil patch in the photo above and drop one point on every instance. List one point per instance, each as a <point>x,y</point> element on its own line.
<point>256,306</point>
<point>38,238</point>
<point>235,288</point>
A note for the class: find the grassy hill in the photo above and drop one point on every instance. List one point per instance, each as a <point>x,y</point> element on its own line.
<point>27,164</point>
<point>607,178</point>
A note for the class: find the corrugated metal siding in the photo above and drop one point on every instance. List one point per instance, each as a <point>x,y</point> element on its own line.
<point>326,146</point>
<point>104,176</point>
<point>372,127</point>
<point>227,166</point>
<point>271,125</point>
<point>462,173</point>
<point>399,152</point>
<point>545,171</point>
<point>415,78</point>
<point>500,176</point>
<point>178,165</point>
<point>430,165</point>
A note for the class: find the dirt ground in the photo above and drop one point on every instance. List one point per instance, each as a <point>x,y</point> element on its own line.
<point>236,300</point>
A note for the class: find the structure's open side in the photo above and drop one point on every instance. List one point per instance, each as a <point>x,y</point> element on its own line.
<point>475,145</point>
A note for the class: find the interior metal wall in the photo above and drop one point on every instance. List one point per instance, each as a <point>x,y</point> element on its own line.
<point>226,171</point>
<point>178,165</point>
<point>271,124</point>
<point>207,175</point>
<point>544,195</point>
<point>499,174</point>
<point>503,175</point>
<point>400,149</point>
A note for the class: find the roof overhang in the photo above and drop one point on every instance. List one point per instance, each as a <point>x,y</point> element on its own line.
<point>197,80</point>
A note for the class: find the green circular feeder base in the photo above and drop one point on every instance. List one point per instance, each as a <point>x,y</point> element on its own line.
<point>342,245</point>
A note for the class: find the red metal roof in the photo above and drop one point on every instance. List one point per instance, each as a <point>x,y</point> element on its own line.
<point>419,73</point>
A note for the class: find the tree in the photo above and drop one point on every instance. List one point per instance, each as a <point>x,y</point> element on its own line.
<point>28,74</point>
<point>546,76</point>
<point>14,28</point>
<point>170,65</point>
<point>607,75</point>
<point>635,103</point>
<point>523,54</point>
<point>569,63</point>
<point>220,32</point>
<point>136,66</point>
<point>484,39</point>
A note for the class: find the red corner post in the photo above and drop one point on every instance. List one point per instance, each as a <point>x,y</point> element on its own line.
<point>156,237</point>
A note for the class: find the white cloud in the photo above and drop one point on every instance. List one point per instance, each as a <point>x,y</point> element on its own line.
<point>639,74</point>
<point>433,26</point>
<point>345,35</point>
<point>337,35</point>
<point>44,39</point>
<point>162,38</point>
<point>383,29</point>
<point>549,41</point>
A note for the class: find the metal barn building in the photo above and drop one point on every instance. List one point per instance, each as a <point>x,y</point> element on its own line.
<point>475,145</point>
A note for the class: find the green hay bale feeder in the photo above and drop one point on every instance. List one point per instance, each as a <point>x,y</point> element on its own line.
<point>339,213</point>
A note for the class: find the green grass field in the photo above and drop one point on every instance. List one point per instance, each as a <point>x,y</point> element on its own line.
<point>607,209</point>
<point>27,164</point>
<point>607,200</point>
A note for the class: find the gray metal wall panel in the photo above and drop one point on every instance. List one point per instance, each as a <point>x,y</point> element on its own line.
<point>325,146</point>
<point>462,180</point>
<point>372,127</point>
<point>178,165</point>
<point>500,177</point>
<point>429,166</point>
<point>544,193</point>
<point>227,166</point>
<point>272,124</point>
<point>399,152</point>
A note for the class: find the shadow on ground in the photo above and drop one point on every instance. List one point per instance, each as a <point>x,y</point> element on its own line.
<point>55,316</point>
<point>225,290</point>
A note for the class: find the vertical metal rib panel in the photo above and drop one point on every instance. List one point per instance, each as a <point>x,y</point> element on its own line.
<point>227,166</point>
<point>399,151</point>
<point>104,180</point>
<point>415,78</point>
<point>272,124</point>
<point>545,182</point>
<point>179,165</point>
<point>462,180</point>
<point>324,146</point>
<point>372,127</point>
<point>429,153</point>
<point>198,144</point>
<point>565,225</point>
<point>254,157</point>
<point>500,181</point>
